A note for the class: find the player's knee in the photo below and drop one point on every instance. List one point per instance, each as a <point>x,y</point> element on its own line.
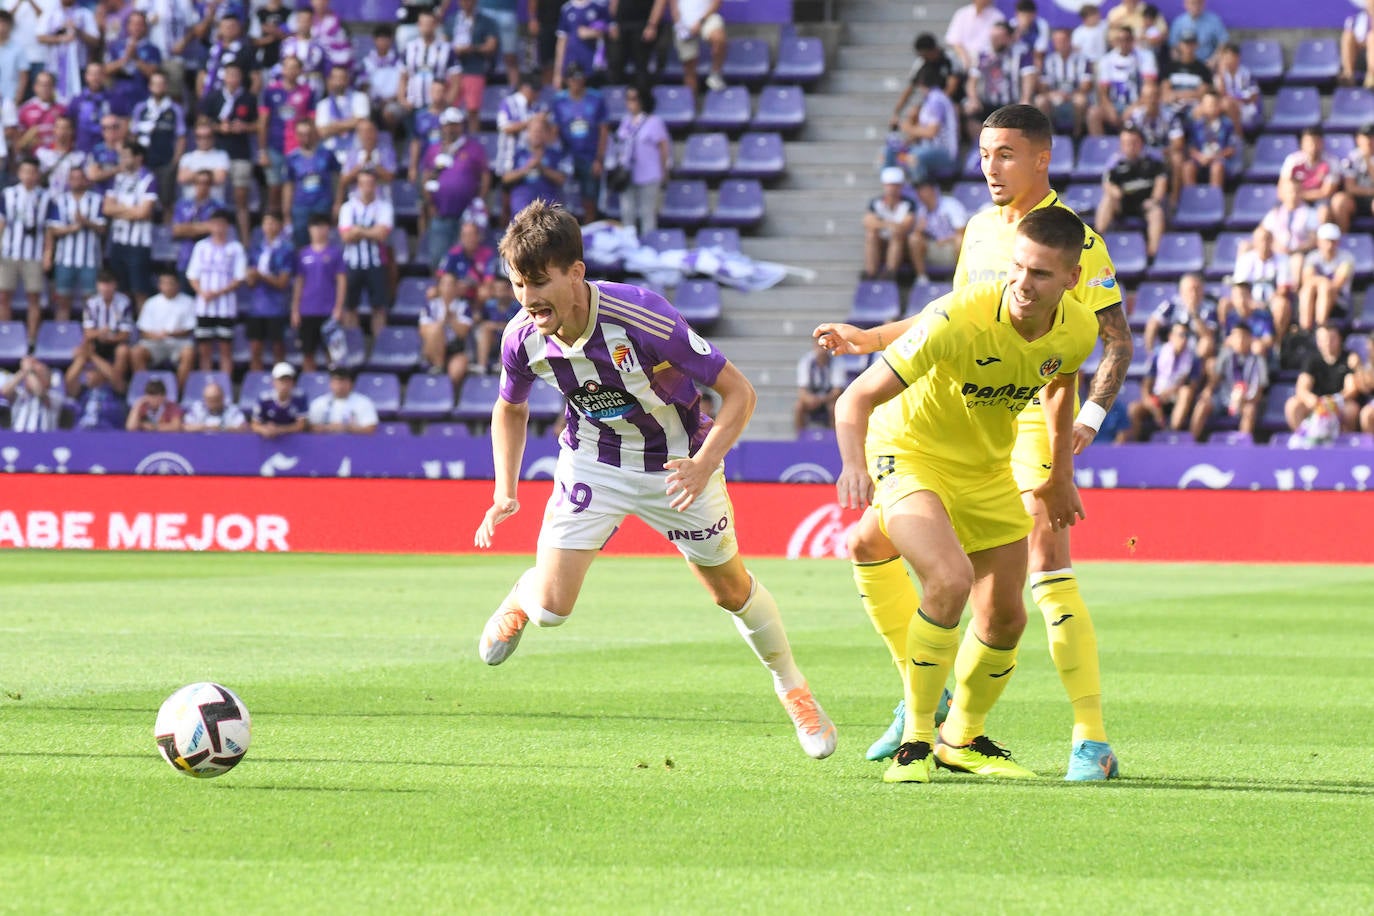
<point>866,543</point>
<point>947,587</point>
<point>731,593</point>
<point>543,608</point>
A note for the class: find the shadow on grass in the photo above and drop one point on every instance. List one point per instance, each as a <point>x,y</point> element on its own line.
<point>444,764</point>
<point>1353,788</point>
<point>437,714</point>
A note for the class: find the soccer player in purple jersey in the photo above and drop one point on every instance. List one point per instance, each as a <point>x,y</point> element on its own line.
<point>637,442</point>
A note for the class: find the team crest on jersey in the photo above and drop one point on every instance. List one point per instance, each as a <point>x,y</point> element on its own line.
<point>1050,367</point>
<point>1106,279</point>
<point>624,358</point>
<point>601,402</point>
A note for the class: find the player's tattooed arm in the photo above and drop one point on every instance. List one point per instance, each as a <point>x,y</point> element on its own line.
<point>844,339</point>
<point>1117,350</point>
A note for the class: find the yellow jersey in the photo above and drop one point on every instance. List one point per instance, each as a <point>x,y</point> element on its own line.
<point>969,375</point>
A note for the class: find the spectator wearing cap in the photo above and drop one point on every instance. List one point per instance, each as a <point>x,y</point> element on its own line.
<point>1183,77</point>
<point>213,412</point>
<point>1317,177</point>
<point>820,382</point>
<point>1206,25</point>
<point>154,412</point>
<point>1357,46</point>
<point>1356,196</point>
<point>320,288</point>
<point>342,410</point>
<point>641,147</point>
<point>271,260</point>
<point>309,191</point>
<point>939,230</point>
<point>286,101</point>
<point>23,214</point>
<point>454,173</point>
<point>218,267</point>
<point>475,44</point>
<point>888,226</point>
<point>1134,187</point>
<point>285,410</point>
<point>930,132</point>
<point>933,58</point>
<point>1324,292</point>
<point>579,114</point>
<point>191,218</point>
<point>165,327</point>
<point>969,34</point>
<point>35,405</point>
<point>1235,385</point>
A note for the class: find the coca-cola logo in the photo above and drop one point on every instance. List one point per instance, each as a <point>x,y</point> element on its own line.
<point>821,534</point>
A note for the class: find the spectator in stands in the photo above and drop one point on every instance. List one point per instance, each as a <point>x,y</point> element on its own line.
<point>930,132</point>
<point>55,163</point>
<point>271,259</point>
<point>1090,36</point>
<point>820,382</point>
<point>1121,74</point>
<point>1030,30</point>
<point>37,117</point>
<point>329,33</point>
<point>471,263</point>
<point>1364,385</point>
<point>23,213</point>
<point>582,28</point>
<point>475,44</point>
<point>1327,384</point>
<point>285,410</point>
<point>1356,197</point>
<point>427,58</point>
<point>1357,46</point>
<point>154,412</point>
<point>365,224</point>
<point>1261,291</point>
<point>454,175</point>
<point>74,247</point>
<point>426,127</point>
<point>696,21</point>
<point>1166,400</point>
<point>933,63</point>
<point>970,31</point>
<point>300,45</point>
<point>89,106</point>
<point>107,323</point>
<point>938,234</point>
<point>1160,127</point>
<point>268,27</point>
<point>1064,87</point>
<point>444,327</point>
<point>320,288</point>
<point>1189,306</point>
<point>70,34</point>
<point>1235,385</point>
<point>342,410</point>
<point>1293,225</point>
<point>513,119</point>
<point>286,101</point>
<point>584,132</point>
<point>543,29</point>
<point>218,267</point>
<point>230,48</point>
<point>888,225</point>
<point>35,406</point>
<point>1183,77</point>
<point>176,28</point>
<point>102,165</point>
<point>1324,290</point>
<point>1002,75</point>
<point>1212,142</point>
<point>99,395</point>
<point>506,17</point>
<point>165,326</point>
<point>1134,187</point>
<point>191,219</point>
<point>309,189</point>
<point>213,413</point>
<point>14,61</point>
<point>642,148</point>
<point>366,154</point>
<point>542,167</point>
<point>1316,175</point>
<point>498,311</point>
<point>633,34</point>
<point>1154,33</point>
<point>1240,94</point>
<point>1206,25</point>
<point>204,156</point>
<point>159,125</point>
<point>379,76</point>
<point>340,114</point>
<point>1128,13</point>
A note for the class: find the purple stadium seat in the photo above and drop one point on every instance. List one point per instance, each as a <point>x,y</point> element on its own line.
<point>685,203</point>
<point>1354,440</point>
<point>55,342</point>
<point>1359,345</point>
<point>1295,107</point>
<point>1173,437</point>
<point>1083,198</point>
<point>365,10</point>
<point>410,299</point>
<point>395,349</point>
<point>759,155</point>
<point>875,302</point>
<point>1269,152</point>
<point>489,140</point>
<point>164,249</point>
<point>973,195</point>
<point>1148,296</point>
<point>1316,61</point>
<point>446,431</point>
<point>141,379</point>
<point>725,109</point>
<point>1231,437</point>
<point>475,402</point>
<point>1179,253</point>
<point>1061,158</point>
<point>746,60</point>
<point>255,385</point>
<point>400,246</point>
<point>673,68</point>
<point>383,389</point>
<point>405,199</point>
<point>1249,203</point>
<point>705,156</point>
<point>1128,253</point>
<point>781,108</point>
<point>614,97</point>
<point>675,106</point>
<point>973,166</point>
<point>14,342</point>
<point>1362,247</point>
<point>1140,358</point>
<point>1351,109</point>
<point>726,237</point>
<point>492,97</point>
<point>800,60</point>
<point>664,239</point>
<point>1223,259</point>
<point>393,428</point>
<point>196,382</point>
<point>1093,154</point>
<point>1264,60</point>
<point>1272,418</point>
<point>699,303</point>
<point>313,384</point>
<point>740,203</point>
<point>1200,206</point>
<point>546,403</point>
<point>430,397</point>
<point>923,294</point>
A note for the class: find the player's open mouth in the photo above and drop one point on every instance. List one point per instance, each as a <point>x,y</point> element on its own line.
<point>540,314</point>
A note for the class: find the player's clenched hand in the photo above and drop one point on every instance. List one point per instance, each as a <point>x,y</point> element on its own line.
<point>1083,436</point>
<point>1061,502</point>
<point>854,488</point>
<point>842,339</point>
<point>687,480</point>
<point>500,510</point>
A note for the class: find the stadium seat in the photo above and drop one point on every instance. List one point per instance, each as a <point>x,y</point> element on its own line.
<point>726,237</point>
<point>1269,152</point>
<point>1083,199</point>
<point>973,166</point>
<point>1093,155</point>
<point>410,299</point>
<point>393,428</point>
<point>614,97</point>
<point>1354,440</point>
<point>1224,251</point>
<point>1140,358</point>
<point>875,302</point>
<point>1272,418</point>
<point>1061,158</point>
<point>164,249</point>
<point>1148,296</point>
<point>1231,437</point>
<point>476,401</point>
<point>255,385</point>
<point>1201,207</point>
<point>685,203</point>
<point>430,397</point>
<point>740,203</point>
<point>492,97</point>
<point>1264,60</point>
<point>1338,146</point>
<point>759,155</point>
<point>781,108</point>
<point>1316,61</point>
<point>1249,203</point>
<point>705,156</point>
<point>141,379</point>
<point>383,389</point>
<point>664,239</point>
<point>800,60</point>
<point>313,384</point>
<point>1173,437</point>
<point>14,342</point>
<point>1295,107</point>
<point>1351,109</point>
<point>446,431</point>
<point>973,195</point>
<point>400,247</point>
<point>746,60</point>
<point>1179,253</point>
<point>1128,253</point>
<point>725,109</point>
<point>196,382</point>
<point>55,342</point>
<point>395,349</point>
<point>1359,345</point>
<point>699,303</point>
<point>924,293</point>
<point>405,199</point>
<point>1361,246</point>
<point>489,140</point>
<point>674,104</point>
<point>672,69</point>
<point>546,403</point>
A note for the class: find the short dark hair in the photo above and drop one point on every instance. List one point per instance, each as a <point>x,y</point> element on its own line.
<point>134,147</point>
<point>1026,6</point>
<point>541,236</point>
<point>275,214</point>
<point>929,77</point>
<point>530,78</point>
<point>1130,128</point>
<point>384,31</point>
<point>29,160</point>
<point>925,42</point>
<point>106,276</point>
<point>1054,227</point>
<point>320,219</point>
<point>222,213</point>
<point>1028,119</point>
<point>1314,130</point>
<point>341,372</point>
<point>6,16</point>
<point>155,386</point>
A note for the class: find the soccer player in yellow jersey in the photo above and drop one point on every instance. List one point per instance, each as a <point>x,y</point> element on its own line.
<point>936,465</point>
<point>1015,151</point>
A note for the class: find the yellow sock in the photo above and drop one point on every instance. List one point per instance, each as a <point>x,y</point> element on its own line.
<point>981,674</point>
<point>930,652</point>
<point>1073,646</point>
<point>890,598</point>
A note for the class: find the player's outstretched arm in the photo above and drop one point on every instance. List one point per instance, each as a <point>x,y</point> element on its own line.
<point>1117,350</point>
<point>846,339</point>
<point>688,476</point>
<point>508,424</point>
<point>877,384</point>
<point>1059,495</point>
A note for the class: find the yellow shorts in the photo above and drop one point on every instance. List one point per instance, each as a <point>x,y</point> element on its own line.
<point>986,510</point>
<point>1031,456</point>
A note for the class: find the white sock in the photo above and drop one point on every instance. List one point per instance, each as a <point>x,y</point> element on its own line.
<point>761,626</point>
<point>539,615</point>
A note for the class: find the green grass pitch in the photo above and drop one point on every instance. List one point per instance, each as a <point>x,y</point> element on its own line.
<point>636,760</point>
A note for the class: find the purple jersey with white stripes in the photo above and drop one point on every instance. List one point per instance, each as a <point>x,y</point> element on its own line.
<point>628,381</point>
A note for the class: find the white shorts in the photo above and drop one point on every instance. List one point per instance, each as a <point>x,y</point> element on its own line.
<point>591,499</point>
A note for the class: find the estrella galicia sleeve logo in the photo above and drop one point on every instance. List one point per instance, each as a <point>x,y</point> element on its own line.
<point>1105,279</point>
<point>1050,367</point>
<point>601,402</point>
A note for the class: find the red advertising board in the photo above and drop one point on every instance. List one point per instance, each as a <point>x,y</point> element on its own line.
<point>780,520</point>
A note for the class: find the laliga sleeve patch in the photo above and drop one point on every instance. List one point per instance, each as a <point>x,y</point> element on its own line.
<point>912,341</point>
<point>698,343</point>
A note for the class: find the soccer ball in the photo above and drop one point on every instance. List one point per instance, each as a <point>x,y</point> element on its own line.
<point>203,730</point>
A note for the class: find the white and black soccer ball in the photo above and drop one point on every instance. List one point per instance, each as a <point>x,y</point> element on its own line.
<point>203,730</point>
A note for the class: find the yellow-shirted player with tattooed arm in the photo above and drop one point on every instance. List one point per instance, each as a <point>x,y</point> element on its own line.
<point>936,466</point>
<point>1015,151</point>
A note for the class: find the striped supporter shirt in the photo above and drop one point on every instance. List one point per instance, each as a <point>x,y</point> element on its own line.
<point>364,255</point>
<point>130,190</point>
<point>214,267</point>
<point>425,63</point>
<point>82,248</point>
<point>24,213</point>
<point>116,315</point>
